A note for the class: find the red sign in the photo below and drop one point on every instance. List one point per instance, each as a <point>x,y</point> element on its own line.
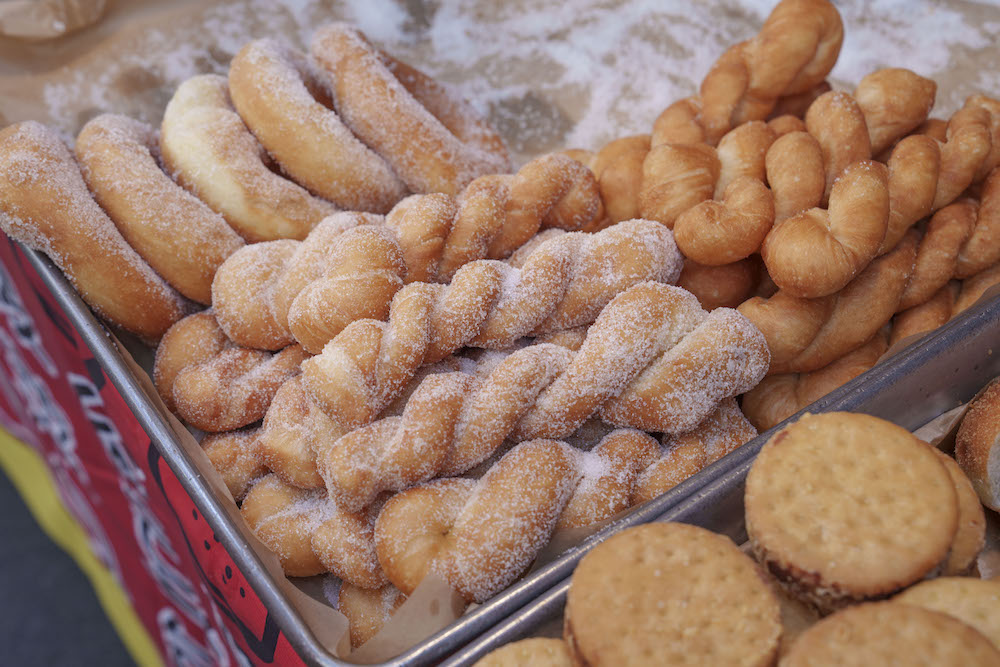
<point>55,397</point>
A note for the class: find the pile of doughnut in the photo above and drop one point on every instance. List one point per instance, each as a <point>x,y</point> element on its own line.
<point>863,548</point>
<point>834,221</point>
<point>415,359</point>
<point>412,360</point>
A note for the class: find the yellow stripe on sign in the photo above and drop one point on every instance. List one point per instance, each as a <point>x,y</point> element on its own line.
<point>31,477</point>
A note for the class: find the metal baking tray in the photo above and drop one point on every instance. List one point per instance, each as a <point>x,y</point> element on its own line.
<point>911,388</point>
<point>946,369</point>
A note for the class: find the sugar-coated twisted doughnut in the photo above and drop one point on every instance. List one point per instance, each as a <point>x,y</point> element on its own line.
<point>480,535</point>
<point>287,103</point>
<point>675,363</point>
<point>213,384</point>
<point>340,274</point>
<point>181,238</point>
<point>778,397</point>
<point>311,535</point>
<point>209,150</point>
<point>686,453</point>
<point>434,141</point>
<point>450,526</point>
<point>45,204</point>
<point>563,284</point>
<point>806,334</point>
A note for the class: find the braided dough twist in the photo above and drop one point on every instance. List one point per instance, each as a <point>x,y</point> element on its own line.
<point>806,334</point>
<point>45,204</point>
<point>653,360</point>
<point>311,533</point>
<point>794,51</point>
<point>351,264</point>
<point>480,535</point>
<point>212,153</point>
<point>213,384</point>
<point>563,284</point>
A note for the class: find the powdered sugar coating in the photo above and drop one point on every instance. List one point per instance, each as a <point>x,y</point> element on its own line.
<point>562,284</point>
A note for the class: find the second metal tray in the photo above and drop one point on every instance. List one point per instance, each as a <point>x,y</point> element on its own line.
<point>912,388</point>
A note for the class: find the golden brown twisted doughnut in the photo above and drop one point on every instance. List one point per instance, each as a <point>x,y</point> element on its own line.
<point>181,238</point>
<point>778,397</point>
<point>213,384</point>
<point>806,334</point>
<point>351,264</point>
<point>45,204</point>
<point>653,359</point>
<point>960,240</point>
<point>210,152</point>
<point>947,302</point>
<point>794,51</point>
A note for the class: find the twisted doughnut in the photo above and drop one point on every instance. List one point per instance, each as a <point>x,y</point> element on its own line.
<point>210,152</point>
<point>180,237</point>
<point>794,51</point>
<point>234,454</point>
<point>434,141</point>
<point>948,302</point>
<point>45,204</point>
<point>339,274</point>
<point>806,334</point>
<point>213,384</point>
<point>816,253</point>
<point>450,526</point>
<point>488,305</point>
<point>625,467</point>
<point>687,453</point>
<point>778,397</point>
<point>641,365</point>
<point>287,104</point>
<point>311,535</point>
